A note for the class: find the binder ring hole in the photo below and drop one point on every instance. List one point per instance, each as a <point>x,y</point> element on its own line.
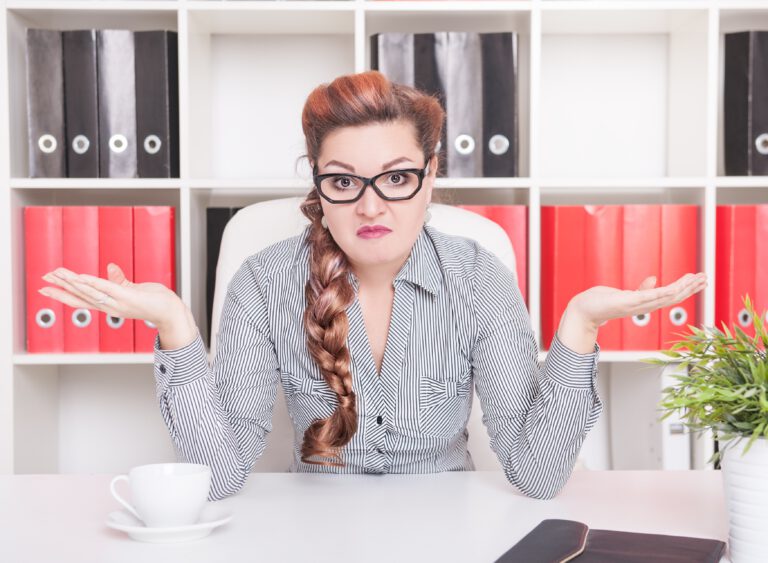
<point>45,318</point>
<point>81,318</point>
<point>761,143</point>
<point>47,143</point>
<point>114,322</point>
<point>642,319</point>
<point>464,144</point>
<point>150,324</point>
<point>81,144</point>
<point>152,144</point>
<point>678,316</point>
<point>118,143</point>
<point>498,144</point>
<point>745,319</point>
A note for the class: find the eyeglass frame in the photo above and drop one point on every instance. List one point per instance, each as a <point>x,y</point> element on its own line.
<point>318,178</point>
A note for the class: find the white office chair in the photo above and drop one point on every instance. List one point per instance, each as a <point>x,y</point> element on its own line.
<point>257,226</point>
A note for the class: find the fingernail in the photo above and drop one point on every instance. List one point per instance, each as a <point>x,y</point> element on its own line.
<point>45,292</point>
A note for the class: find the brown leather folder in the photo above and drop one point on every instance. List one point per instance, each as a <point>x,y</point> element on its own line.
<point>557,541</point>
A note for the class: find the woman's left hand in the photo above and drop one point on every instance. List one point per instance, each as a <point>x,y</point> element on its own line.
<point>600,304</point>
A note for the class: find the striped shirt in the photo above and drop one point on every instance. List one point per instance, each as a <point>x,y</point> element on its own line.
<point>458,325</point>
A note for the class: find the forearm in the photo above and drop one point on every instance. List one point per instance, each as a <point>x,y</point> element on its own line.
<point>576,332</point>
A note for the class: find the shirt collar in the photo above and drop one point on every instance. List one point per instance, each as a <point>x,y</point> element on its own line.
<point>421,268</point>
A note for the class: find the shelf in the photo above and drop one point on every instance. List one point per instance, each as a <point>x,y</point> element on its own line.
<point>94,183</point>
<point>82,359</point>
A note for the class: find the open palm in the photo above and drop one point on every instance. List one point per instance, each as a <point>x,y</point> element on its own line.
<point>602,303</point>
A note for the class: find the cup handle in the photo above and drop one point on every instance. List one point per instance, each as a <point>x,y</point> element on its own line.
<point>120,499</point>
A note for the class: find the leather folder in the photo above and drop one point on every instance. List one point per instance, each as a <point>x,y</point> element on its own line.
<point>80,245</point>
<point>642,251</point>
<point>45,104</point>
<point>116,246</point>
<point>745,111</point>
<point>157,103</point>
<point>81,103</point>
<point>117,104</point>
<point>557,541</point>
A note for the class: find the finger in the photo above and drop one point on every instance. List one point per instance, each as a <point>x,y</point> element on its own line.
<point>98,298</point>
<point>65,297</point>
<point>672,295</point>
<point>116,274</point>
<point>648,283</point>
<point>110,288</point>
<point>58,277</point>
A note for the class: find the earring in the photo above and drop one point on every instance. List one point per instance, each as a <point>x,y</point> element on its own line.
<point>427,216</point>
<point>323,222</point>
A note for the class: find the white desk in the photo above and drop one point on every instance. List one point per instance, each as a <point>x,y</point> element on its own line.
<point>455,516</point>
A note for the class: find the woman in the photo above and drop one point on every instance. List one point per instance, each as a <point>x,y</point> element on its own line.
<point>376,324</point>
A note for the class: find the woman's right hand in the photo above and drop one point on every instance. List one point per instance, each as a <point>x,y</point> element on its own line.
<point>115,296</point>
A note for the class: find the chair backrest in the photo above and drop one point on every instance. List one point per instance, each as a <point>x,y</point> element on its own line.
<point>261,224</point>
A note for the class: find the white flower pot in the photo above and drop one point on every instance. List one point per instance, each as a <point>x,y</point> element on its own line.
<point>745,480</point>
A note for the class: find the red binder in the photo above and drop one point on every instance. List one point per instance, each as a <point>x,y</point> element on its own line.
<point>735,266</point>
<point>154,259</point>
<point>642,258</point>
<point>603,252</point>
<point>42,254</point>
<point>562,264</point>
<point>679,256</point>
<point>514,220</point>
<point>761,261</point>
<point>80,244</point>
<point>116,246</point>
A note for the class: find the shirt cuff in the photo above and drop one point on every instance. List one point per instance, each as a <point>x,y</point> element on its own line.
<point>180,365</point>
<point>570,368</point>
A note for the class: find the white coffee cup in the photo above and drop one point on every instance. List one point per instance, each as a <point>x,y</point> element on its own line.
<point>166,494</point>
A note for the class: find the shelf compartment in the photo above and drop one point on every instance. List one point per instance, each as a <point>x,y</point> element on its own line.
<point>636,83</point>
<point>245,96</point>
<point>21,198</point>
<point>86,15</point>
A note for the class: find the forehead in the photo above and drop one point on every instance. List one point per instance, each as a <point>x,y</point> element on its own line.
<point>368,147</point>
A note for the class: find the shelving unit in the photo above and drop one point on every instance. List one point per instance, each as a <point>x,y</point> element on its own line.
<point>620,102</point>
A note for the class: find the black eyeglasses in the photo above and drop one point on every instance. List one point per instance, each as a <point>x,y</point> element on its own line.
<point>392,185</point>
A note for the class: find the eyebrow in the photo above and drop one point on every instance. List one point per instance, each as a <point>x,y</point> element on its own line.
<point>384,166</point>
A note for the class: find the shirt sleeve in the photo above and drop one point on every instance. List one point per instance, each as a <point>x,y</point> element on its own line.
<point>537,417</point>
<point>220,415</point>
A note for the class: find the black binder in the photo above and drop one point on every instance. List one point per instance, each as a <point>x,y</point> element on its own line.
<point>216,219</point>
<point>557,541</point>
<point>81,103</point>
<point>157,104</point>
<point>500,129</point>
<point>117,104</point>
<point>745,111</point>
<point>45,104</point>
<point>426,77</point>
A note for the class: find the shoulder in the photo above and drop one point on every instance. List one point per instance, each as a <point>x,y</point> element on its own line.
<point>274,260</point>
<point>463,257</point>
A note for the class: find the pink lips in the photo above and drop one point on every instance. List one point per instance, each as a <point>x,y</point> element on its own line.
<point>373,231</point>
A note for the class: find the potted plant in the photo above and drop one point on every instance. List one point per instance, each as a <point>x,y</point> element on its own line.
<point>724,388</point>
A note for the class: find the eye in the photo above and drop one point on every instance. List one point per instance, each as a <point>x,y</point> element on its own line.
<point>343,182</point>
<point>396,178</point>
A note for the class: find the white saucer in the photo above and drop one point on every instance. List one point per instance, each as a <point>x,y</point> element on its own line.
<point>211,517</point>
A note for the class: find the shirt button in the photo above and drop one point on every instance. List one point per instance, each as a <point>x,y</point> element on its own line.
<point>378,451</point>
<point>379,420</point>
<point>162,368</point>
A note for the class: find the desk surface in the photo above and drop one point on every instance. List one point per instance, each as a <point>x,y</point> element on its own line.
<point>454,516</point>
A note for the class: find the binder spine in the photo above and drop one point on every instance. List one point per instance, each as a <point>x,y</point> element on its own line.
<point>81,103</point>
<point>499,85</point>
<point>461,57</point>
<point>45,105</point>
<point>156,68</point>
<point>117,104</point>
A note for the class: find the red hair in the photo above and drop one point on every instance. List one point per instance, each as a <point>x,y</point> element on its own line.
<point>354,99</point>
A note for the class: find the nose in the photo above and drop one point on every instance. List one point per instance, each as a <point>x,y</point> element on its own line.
<point>370,204</point>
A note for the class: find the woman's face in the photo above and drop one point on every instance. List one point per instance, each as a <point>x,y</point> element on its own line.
<point>366,151</point>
